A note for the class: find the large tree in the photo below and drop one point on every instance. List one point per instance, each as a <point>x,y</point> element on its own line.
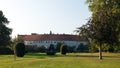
<point>104,24</point>
<point>4,31</point>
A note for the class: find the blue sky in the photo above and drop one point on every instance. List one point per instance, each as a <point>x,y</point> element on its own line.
<point>41,16</point>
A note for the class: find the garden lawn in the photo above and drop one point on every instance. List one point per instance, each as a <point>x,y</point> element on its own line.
<point>71,60</point>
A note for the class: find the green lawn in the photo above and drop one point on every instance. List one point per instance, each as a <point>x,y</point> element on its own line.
<point>72,60</point>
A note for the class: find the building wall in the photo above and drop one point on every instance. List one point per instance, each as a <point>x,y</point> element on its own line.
<point>48,42</point>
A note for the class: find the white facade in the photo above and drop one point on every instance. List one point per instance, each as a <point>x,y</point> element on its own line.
<point>48,42</point>
<point>47,39</point>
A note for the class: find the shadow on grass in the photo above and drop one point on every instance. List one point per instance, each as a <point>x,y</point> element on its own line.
<point>43,55</point>
<point>93,56</point>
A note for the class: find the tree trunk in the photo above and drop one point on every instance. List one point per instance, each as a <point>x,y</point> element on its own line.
<point>14,52</point>
<point>100,52</point>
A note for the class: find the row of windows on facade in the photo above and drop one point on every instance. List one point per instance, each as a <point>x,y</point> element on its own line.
<point>54,42</point>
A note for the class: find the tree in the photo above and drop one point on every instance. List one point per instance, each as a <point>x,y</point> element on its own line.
<point>80,48</point>
<point>4,31</point>
<point>63,49</point>
<point>20,49</point>
<point>51,50</point>
<point>41,48</point>
<point>58,47</point>
<point>93,48</point>
<point>30,48</point>
<point>13,44</point>
<point>104,24</point>
<point>71,49</point>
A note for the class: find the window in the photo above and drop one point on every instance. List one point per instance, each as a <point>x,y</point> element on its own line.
<point>54,42</point>
<point>30,42</point>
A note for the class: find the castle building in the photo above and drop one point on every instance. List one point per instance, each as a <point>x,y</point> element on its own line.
<point>47,39</point>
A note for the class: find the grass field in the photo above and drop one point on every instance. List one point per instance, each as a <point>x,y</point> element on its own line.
<point>72,60</point>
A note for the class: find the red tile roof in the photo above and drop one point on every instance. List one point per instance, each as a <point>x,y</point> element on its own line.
<point>58,37</point>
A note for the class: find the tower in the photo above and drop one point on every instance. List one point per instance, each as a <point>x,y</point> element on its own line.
<point>50,32</point>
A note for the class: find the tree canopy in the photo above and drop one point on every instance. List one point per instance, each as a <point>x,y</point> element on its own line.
<point>104,24</point>
<point>4,30</point>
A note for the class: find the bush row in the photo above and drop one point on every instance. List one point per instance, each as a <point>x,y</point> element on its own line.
<point>70,49</point>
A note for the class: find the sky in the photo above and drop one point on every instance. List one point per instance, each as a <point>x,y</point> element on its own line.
<point>43,16</point>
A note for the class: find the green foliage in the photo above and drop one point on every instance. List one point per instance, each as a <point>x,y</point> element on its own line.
<point>41,48</point>
<point>58,47</point>
<point>20,49</point>
<point>114,48</point>
<point>14,43</point>
<point>4,31</point>
<point>104,25</point>
<point>71,49</point>
<point>63,49</point>
<point>93,47</point>
<point>51,50</point>
<point>82,48</point>
<point>30,48</point>
<point>34,49</point>
<point>5,50</point>
<point>51,47</point>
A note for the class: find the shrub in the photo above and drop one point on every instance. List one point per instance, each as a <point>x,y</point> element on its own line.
<point>63,49</point>
<point>71,49</point>
<point>20,49</point>
<point>41,48</point>
<point>5,50</point>
<point>82,48</point>
<point>51,50</point>
<point>58,47</point>
<point>30,48</point>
